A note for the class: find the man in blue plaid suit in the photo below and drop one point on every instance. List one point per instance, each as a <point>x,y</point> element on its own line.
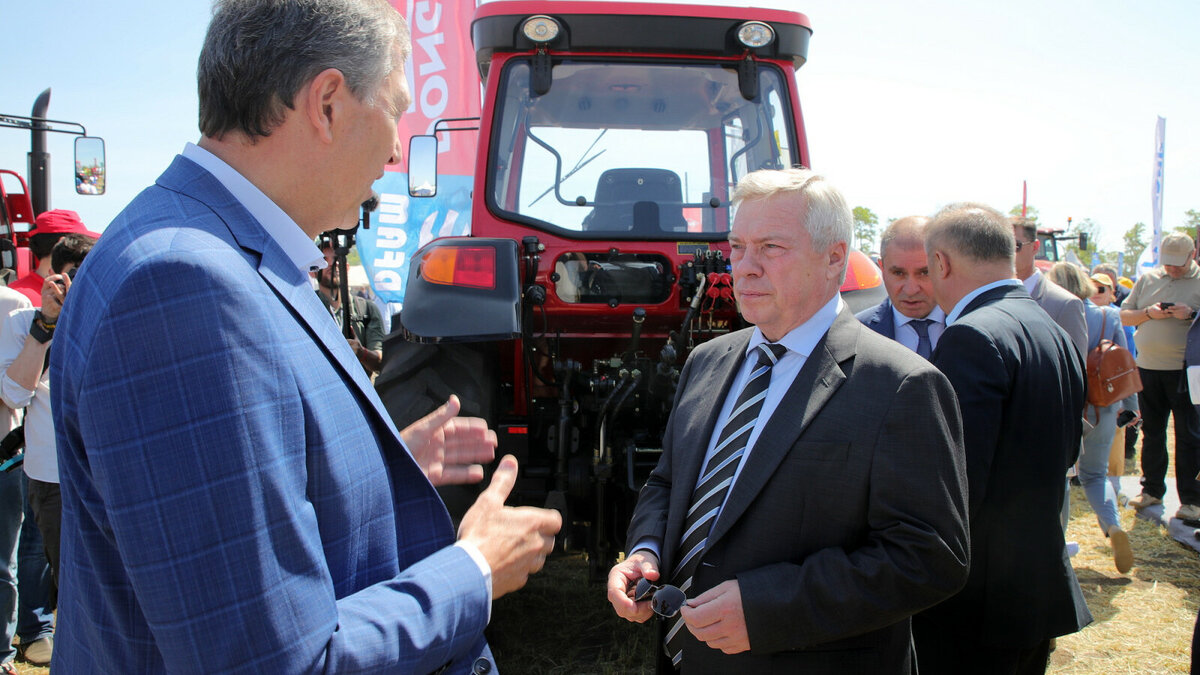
<point>235,498</point>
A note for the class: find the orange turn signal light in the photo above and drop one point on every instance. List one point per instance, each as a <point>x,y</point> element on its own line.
<point>472,267</point>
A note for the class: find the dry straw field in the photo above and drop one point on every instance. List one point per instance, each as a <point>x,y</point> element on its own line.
<point>561,625</point>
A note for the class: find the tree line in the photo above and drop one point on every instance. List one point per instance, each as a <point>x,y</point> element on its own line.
<point>1134,240</point>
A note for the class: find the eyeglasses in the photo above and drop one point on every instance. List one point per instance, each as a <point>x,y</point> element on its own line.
<point>665,600</point>
<point>1023,243</point>
<point>1101,289</point>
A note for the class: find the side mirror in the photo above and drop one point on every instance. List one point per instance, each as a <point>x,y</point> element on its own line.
<point>422,166</point>
<point>1083,241</point>
<point>89,165</point>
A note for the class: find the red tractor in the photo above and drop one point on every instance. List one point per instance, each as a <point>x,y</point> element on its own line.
<point>611,137</point>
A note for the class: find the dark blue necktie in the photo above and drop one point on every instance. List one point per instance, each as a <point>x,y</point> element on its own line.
<point>924,346</point>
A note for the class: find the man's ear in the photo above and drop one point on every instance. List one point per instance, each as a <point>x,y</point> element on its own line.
<point>320,101</point>
<point>838,259</point>
<point>940,268</point>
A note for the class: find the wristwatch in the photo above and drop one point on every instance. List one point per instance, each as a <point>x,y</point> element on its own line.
<point>39,330</point>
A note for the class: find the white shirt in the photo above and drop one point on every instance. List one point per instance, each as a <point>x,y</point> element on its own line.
<point>966,300</point>
<point>800,342</point>
<point>300,249</point>
<point>909,338</point>
<point>295,243</point>
<point>9,300</point>
<point>1032,282</point>
<point>41,451</point>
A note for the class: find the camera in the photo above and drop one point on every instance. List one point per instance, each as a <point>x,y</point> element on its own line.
<point>71,274</point>
<point>1166,305</point>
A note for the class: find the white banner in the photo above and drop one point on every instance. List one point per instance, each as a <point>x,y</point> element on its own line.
<point>1156,194</point>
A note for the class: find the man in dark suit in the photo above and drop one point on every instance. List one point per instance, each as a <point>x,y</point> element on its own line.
<point>235,497</point>
<point>830,506</point>
<point>1019,382</point>
<point>908,315</point>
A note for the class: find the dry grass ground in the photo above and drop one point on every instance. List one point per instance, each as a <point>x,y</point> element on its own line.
<point>1143,620</point>
<point>561,625</point>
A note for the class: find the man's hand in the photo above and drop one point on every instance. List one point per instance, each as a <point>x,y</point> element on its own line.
<point>716,618</point>
<point>53,294</point>
<point>515,541</point>
<point>622,580</point>
<point>1179,311</point>
<point>451,450</point>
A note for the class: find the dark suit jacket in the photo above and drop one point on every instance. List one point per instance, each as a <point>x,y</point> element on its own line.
<point>1020,384</point>
<point>880,319</point>
<point>228,469</point>
<point>848,515</point>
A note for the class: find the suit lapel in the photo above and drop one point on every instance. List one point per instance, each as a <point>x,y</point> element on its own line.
<point>819,378</point>
<point>275,267</point>
<point>713,379</point>
<point>887,321</point>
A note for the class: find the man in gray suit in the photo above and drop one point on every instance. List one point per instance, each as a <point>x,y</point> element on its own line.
<point>807,540</point>
<point>1061,305</point>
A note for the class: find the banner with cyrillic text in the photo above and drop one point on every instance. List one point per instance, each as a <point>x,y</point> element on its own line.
<point>444,83</point>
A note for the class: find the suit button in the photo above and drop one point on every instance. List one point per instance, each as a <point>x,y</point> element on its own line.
<point>482,666</point>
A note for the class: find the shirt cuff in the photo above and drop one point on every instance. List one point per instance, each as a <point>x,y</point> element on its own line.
<point>650,544</point>
<point>14,395</point>
<point>484,568</point>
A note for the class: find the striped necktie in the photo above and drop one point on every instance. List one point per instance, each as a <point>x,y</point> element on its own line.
<point>715,480</point>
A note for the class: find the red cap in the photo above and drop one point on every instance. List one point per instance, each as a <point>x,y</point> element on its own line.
<point>61,221</point>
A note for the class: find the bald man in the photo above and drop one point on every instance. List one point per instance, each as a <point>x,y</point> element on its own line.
<point>908,315</point>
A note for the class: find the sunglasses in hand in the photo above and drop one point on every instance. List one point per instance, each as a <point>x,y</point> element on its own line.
<point>665,600</point>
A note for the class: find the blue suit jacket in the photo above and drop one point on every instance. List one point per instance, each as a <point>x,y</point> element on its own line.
<point>880,319</point>
<point>235,498</point>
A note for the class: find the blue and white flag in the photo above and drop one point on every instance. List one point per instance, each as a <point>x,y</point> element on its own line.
<point>1156,195</point>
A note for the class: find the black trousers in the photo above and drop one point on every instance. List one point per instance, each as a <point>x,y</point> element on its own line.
<point>45,500</point>
<point>1164,392</point>
<point>939,655</point>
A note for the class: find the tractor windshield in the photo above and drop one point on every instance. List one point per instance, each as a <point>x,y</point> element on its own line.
<point>633,150</point>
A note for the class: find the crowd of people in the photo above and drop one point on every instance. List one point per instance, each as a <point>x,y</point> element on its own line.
<point>221,489</point>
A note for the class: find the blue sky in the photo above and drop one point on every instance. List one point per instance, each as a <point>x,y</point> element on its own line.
<point>908,106</point>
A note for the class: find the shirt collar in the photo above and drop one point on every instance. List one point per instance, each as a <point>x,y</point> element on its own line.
<point>301,250</point>
<point>962,304</point>
<point>1032,282</point>
<point>803,339</point>
<point>936,315</point>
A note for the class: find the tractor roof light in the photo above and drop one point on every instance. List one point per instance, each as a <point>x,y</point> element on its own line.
<point>540,29</point>
<point>754,34</point>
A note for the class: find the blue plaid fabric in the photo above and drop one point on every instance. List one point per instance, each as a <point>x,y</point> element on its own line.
<point>235,498</point>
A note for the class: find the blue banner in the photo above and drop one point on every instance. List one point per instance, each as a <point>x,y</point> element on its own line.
<point>403,224</point>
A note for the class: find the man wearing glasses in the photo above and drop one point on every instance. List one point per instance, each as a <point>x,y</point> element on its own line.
<point>1061,305</point>
<point>810,495</point>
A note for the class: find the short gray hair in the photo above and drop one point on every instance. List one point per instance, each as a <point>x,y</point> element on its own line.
<point>977,231</point>
<point>827,218</point>
<point>258,54</point>
<point>908,231</point>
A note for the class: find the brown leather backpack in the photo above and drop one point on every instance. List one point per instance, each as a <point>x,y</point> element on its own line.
<point>1112,373</point>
